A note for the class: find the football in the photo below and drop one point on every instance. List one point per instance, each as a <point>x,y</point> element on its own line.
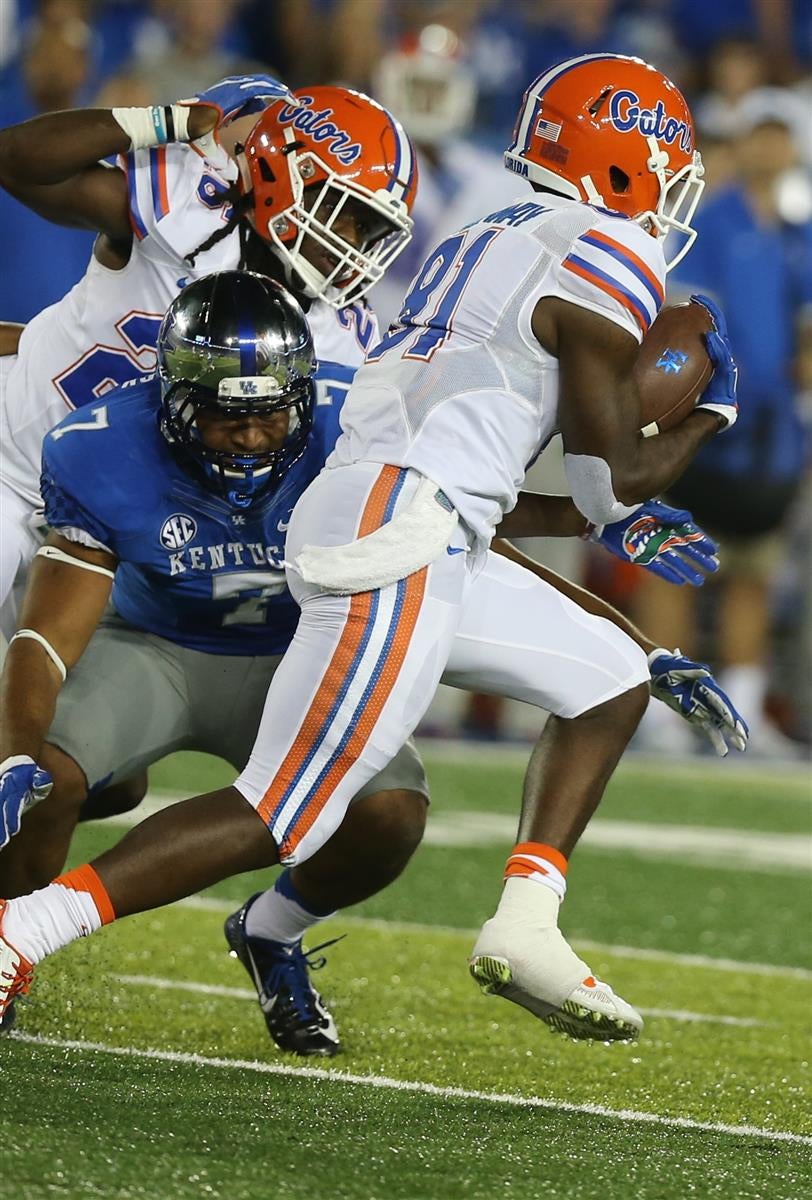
<point>673,367</point>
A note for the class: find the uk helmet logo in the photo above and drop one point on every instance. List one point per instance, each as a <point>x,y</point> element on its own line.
<point>626,114</point>
<point>177,531</point>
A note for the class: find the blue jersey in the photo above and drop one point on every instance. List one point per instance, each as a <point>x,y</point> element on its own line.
<point>191,568</point>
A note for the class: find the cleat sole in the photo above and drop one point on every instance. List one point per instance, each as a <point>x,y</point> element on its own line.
<point>571,1019</point>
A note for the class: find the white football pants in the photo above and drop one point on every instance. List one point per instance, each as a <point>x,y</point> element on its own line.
<point>362,670</point>
<point>18,545</point>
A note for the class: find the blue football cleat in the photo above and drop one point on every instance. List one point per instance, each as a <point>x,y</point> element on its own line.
<point>294,1012</point>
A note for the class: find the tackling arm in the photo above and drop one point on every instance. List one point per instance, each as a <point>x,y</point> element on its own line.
<point>10,333</point>
<point>52,165</point>
<point>63,604</point>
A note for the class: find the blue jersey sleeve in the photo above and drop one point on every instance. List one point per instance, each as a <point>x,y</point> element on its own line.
<point>64,512</point>
<point>88,463</point>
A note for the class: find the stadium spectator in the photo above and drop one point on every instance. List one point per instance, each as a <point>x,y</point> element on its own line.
<point>192,58</point>
<point>754,254</point>
<point>429,83</point>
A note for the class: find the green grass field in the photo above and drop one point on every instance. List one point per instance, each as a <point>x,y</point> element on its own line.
<point>141,1067</point>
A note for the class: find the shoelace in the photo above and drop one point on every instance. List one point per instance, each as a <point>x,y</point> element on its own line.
<point>290,972</point>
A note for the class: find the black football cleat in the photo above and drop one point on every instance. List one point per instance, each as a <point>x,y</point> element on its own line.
<point>294,1012</point>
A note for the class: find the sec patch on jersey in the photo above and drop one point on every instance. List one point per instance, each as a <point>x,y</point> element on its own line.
<point>673,367</point>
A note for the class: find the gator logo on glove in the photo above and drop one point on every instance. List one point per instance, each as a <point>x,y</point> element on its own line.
<point>645,540</point>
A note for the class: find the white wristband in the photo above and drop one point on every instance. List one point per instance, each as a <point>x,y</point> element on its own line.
<point>47,647</point>
<point>154,126</point>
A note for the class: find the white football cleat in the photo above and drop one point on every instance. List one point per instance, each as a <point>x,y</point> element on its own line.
<point>16,972</point>
<point>531,963</point>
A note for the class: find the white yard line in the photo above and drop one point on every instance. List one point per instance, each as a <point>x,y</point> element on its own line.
<point>416,1086</point>
<point>744,768</point>
<point>232,993</point>
<point>214,904</point>
<point>721,848</point>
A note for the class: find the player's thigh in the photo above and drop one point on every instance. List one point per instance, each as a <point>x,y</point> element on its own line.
<point>123,706</point>
<point>521,638</point>
<point>227,698</point>
<point>358,676</point>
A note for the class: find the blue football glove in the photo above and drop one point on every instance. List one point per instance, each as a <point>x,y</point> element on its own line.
<point>690,689</point>
<point>22,784</point>
<point>662,539</point>
<point>720,394</point>
<point>239,95</point>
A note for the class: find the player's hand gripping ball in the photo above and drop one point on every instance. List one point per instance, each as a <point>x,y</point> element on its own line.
<point>673,366</point>
<point>686,362</point>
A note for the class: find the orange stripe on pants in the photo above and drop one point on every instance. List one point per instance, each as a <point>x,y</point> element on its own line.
<point>367,719</point>
<point>341,661</point>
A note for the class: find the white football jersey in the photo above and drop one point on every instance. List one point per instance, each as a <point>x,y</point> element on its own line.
<point>103,332</point>
<point>461,390</point>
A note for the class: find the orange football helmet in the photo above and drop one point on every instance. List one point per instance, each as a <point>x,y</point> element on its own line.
<point>614,132</point>
<point>310,166</point>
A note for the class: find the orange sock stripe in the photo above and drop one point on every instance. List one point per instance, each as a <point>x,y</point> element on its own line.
<point>539,850</point>
<point>85,879</point>
<point>343,657</point>
<point>412,602</point>
<point>516,865</point>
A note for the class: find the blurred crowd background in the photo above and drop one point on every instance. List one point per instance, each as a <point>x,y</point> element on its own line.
<point>454,73</point>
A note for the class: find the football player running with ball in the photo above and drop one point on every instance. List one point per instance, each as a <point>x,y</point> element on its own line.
<point>523,323</point>
<point>174,503</point>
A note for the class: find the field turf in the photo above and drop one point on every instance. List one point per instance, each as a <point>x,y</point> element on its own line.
<point>141,1066</point>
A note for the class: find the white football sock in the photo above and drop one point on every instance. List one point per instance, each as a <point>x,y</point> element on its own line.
<point>280,914</point>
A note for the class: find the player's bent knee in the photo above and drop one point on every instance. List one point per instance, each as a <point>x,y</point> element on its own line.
<point>70,786</point>
<point>626,709</point>
<point>118,798</point>
<point>386,827</point>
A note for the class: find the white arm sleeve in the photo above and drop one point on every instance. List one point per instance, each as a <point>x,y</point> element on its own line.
<point>590,481</point>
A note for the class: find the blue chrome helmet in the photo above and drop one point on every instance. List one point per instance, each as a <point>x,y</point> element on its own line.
<point>235,344</point>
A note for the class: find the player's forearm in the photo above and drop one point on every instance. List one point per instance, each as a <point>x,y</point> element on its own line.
<point>650,465</point>
<point>538,515</point>
<point>580,596</point>
<point>56,146</point>
<point>29,687</point>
